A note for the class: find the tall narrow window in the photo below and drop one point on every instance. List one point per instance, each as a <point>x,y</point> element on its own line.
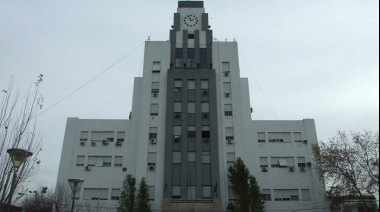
<point>191,107</point>
<point>191,57</point>
<point>118,161</point>
<point>179,58</point>
<point>228,110</point>
<point>205,131</point>
<point>227,88</point>
<point>267,196</point>
<point>229,133</point>
<point>226,67</point>
<point>154,109</point>
<point>83,135</point>
<point>177,107</point>
<point>176,157</point>
<point>205,107</point>
<point>155,87</point>
<point>305,195</point>
<point>191,132</point>
<point>80,160</point>
<point>153,132</point>
<point>177,133</point>
<point>120,136</point>
<point>230,159</point>
<point>297,137</point>
<point>263,162</point>
<point>151,158</point>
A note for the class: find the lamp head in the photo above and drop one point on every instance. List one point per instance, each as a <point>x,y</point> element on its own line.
<point>18,156</point>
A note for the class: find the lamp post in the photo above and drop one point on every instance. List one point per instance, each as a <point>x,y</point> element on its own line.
<point>75,183</point>
<point>18,156</point>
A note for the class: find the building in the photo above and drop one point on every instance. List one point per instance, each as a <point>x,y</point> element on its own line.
<point>191,118</point>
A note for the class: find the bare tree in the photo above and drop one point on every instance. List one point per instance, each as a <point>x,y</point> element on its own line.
<point>40,200</point>
<point>18,130</point>
<point>62,198</point>
<point>350,165</point>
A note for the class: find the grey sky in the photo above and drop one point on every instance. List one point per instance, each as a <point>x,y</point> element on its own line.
<point>311,59</point>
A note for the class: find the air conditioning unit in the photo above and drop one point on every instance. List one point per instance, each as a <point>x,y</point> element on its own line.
<point>153,141</point>
<point>124,169</point>
<point>151,167</point>
<point>93,143</point>
<point>226,73</point>
<point>230,141</point>
<point>227,94</point>
<point>305,141</point>
<point>302,169</point>
<point>264,169</point>
<point>105,142</point>
<point>82,143</point>
<point>205,116</point>
<point>118,143</point>
<point>205,92</point>
<point>88,168</point>
<point>291,168</point>
<point>177,116</point>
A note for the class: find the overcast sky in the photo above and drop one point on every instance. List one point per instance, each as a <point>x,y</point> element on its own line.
<point>304,59</point>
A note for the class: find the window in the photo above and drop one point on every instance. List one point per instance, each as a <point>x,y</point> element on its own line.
<point>120,136</point>
<point>263,162</point>
<point>176,192</point>
<point>228,110</point>
<point>80,160</point>
<point>297,137</point>
<point>266,195</point>
<point>155,87</point>
<point>177,107</point>
<point>151,191</point>
<point>225,67</point>
<point>279,137</point>
<point>229,133</point>
<point>230,159</point>
<point>83,136</point>
<point>206,192</point>
<point>153,133</point>
<point>206,157</point>
<point>191,107</point>
<point>305,195</point>
<point>154,109</point>
<point>95,194</point>
<point>176,157</point>
<point>203,58</point>
<point>282,162</point>
<point>205,131</point>
<point>204,84</point>
<point>99,161</point>
<point>115,194</point>
<point>190,57</point>
<point>190,84</point>
<point>227,87</point>
<point>301,162</point>
<point>178,83</point>
<point>156,66</point>
<point>107,161</point>
<point>177,132</point>
<point>191,132</point>
<point>205,107</point>
<point>100,136</point>
<point>191,157</point>
<point>261,137</point>
<point>118,161</point>
<point>286,195</point>
<point>179,57</point>
<point>151,158</point>
<point>190,36</point>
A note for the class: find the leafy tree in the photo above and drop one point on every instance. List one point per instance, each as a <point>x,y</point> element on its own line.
<point>246,189</point>
<point>18,130</point>
<point>142,198</point>
<point>350,165</point>
<point>127,197</point>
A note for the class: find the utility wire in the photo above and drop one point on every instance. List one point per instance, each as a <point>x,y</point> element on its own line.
<point>91,80</point>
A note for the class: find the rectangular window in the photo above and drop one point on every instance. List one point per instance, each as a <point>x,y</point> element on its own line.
<point>231,193</point>
<point>178,83</point>
<point>100,136</point>
<point>80,160</point>
<point>261,137</point>
<point>206,192</point>
<point>191,107</point>
<point>203,58</point>
<point>263,162</point>
<point>179,57</point>
<point>151,191</point>
<point>205,107</point>
<point>151,158</point>
<point>301,162</point>
<point>99,161</point>
<point>230,159</point>
<point>190,36</point>
<point>152,132</point>
<point>227,87</point>
<point>279,137</point>
<point>191,132</point>
<point>91,160</point>
<point>115,194</point>
<point>83,135</point>
<point>190,84</point>
<point>191,157</point>
<point>267,196</point>
<point>226,67</point>
<point>305,195</point>
<point>176,192</point>
<point>206,157</point>
<point>297,137</point>
<point>177,131</point>
<point>204,84</point>
<point>228,110</point>
<point>154,109</point>
<point>177,107</point>
<point>176,157</point>
<point>156,76</point>
<point>107,161</point>
<point>282,162</point>
<point>190,57</point>
<point>95,194</point>
<point>156,66</point>
<point>155,87</point>
<point>286,195</point>
<point>120,136</point>
<point>118,161</point>
<point>205,131</point>
<point>229,133</point>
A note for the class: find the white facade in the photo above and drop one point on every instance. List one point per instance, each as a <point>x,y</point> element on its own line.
<point>287,177</point>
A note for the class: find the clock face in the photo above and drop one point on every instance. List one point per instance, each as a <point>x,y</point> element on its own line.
<point>190,20</point>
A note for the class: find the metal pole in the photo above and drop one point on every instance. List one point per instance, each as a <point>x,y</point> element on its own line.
<point>72,204</point>
<point>12,189</point>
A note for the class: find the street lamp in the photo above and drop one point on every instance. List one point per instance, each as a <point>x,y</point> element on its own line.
<point>18,156</point>
<point>75,183</point>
